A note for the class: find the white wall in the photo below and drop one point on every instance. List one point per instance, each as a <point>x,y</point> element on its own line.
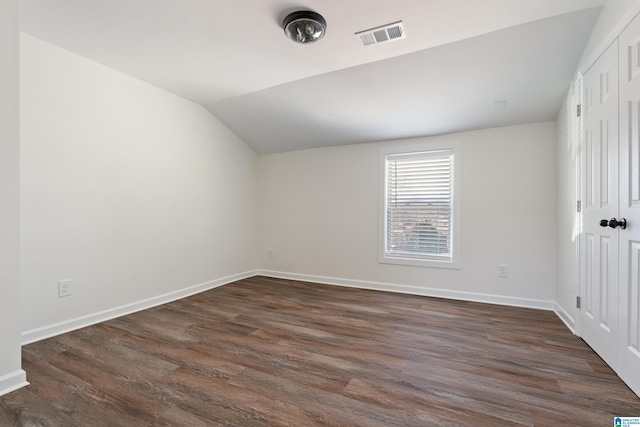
<point>11,374</point>
<point>615,16</point>
<point>130,191</point>
<point>319,212</point>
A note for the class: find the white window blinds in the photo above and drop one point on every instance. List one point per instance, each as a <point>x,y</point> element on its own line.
<point>419,205</point>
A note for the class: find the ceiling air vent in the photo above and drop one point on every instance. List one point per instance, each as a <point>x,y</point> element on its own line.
<point>381,34</point>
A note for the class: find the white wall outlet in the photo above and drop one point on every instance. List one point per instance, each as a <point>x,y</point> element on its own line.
<point>271,253</point>
<point>64,288</point>
<point>503,271</point>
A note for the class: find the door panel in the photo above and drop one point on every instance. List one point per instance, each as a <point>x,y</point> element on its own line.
<point>606,261</point>
<point>629,334</point>
<point>599,245</point>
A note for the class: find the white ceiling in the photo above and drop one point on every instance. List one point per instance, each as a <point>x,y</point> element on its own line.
<point>459,57</point>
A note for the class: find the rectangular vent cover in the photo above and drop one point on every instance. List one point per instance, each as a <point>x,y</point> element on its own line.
<point>381,34</point>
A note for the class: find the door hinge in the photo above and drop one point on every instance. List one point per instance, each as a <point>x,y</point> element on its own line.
<point>577,302</point>
<point>579,206</point>
<point>579,110</point>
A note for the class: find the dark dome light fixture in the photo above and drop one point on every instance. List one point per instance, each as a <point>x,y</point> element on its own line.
<point>304,26</point>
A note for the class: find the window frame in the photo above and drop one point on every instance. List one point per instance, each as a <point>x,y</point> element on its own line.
<point>414,148</point>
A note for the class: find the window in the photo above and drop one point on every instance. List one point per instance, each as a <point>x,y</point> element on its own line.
<point>419,218</point>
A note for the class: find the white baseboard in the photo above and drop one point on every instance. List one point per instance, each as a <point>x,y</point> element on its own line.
<point>49,331</point>
<point>566,318</point>
<point>416,290</point>
<point>13,381</point>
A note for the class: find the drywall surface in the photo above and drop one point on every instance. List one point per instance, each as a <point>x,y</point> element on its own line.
<point>11,375</point>
<point>128,190</point>
<point>319,212</point>
<point>615,16</point>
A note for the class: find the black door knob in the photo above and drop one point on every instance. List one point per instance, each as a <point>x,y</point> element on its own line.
<point>604,223</point>
<point>613,223</point>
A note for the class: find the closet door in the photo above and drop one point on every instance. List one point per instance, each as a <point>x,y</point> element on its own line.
<point>629,289</point>
<point>599,242</point>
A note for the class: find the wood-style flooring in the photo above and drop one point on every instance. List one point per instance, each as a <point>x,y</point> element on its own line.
<point>271,352</point>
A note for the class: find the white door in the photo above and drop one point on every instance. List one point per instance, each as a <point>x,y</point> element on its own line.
<point>598,321</point>
<point>629,307</point>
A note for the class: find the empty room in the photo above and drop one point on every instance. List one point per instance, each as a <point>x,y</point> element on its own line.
<point>264,213</point>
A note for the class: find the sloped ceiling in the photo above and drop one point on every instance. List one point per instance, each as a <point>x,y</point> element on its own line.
<point>465,64</point>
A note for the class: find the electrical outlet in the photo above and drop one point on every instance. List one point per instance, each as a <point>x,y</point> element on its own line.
<point>64,288</point>
<point>272,253</point>
<point>503,271</point>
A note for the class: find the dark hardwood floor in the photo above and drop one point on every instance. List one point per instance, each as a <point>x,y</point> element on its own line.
<point>265,351</point>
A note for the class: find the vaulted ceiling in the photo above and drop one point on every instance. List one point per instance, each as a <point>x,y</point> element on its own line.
<point>464,64</point>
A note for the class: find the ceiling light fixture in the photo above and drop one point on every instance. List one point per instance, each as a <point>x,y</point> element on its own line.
<point>304,26</point>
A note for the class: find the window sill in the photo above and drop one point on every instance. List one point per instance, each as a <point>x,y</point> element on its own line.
<point>429,263</point>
